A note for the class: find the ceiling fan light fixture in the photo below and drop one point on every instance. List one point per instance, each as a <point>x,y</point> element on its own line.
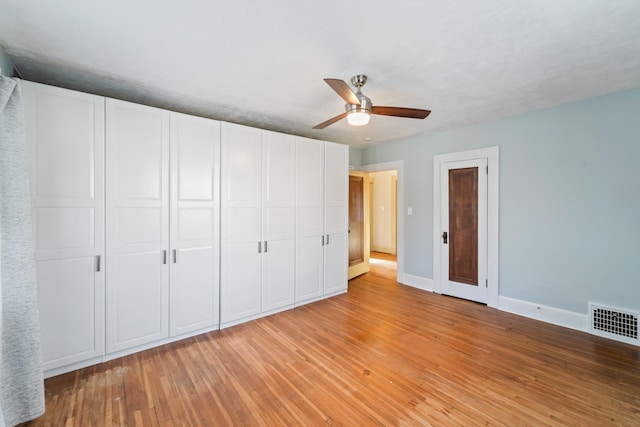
<point>358,117</point>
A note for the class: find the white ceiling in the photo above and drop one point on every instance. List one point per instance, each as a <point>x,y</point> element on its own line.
<point>262,63</point>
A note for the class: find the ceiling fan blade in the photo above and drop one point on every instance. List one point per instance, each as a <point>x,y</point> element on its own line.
<point>412,113</point>
<point>343,90</point>
<point>330,121</point>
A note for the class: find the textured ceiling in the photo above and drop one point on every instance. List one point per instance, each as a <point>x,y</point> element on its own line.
<point>262,63</point>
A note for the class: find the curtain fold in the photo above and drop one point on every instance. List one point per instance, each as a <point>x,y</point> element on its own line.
<point>21,377</point>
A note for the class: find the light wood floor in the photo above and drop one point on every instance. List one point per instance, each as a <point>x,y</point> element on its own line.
<point>382,354</point>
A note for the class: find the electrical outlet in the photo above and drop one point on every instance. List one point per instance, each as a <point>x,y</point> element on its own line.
<point>409,211</point>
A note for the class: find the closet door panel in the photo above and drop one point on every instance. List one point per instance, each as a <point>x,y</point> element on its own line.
<point>193,292</point>
<point>278,274</point>
<point>335,263</point>
<point>195,203</point>
<point>65,164</point>
<point>278,220</point>
<point>309,219</point>
<point>309,268</point>
<point>68,229</point>
<point>195,224</point>
<point>139,313</point>
<point>336,215</point>
<point>65,139</point>
<point>244,282</point>
<point>67,310</point>
<point>138,224</point>
<point>241,234</point>
<point>336,188</point>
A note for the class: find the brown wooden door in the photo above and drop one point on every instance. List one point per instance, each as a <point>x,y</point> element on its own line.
<point>356,220</point>
<point>464,235</point>
<point>463,225</point>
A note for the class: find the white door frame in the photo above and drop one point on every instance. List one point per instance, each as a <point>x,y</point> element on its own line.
<point>492,154</point>
<point>397,165</point>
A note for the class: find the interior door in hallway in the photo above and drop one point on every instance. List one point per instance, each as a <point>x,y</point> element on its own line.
<point>464,229</point>
<point>358,224</point>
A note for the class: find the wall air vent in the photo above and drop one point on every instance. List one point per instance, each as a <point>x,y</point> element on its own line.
<point>609,322</point>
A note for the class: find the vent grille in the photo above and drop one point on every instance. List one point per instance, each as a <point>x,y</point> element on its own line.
<point>621,325</point>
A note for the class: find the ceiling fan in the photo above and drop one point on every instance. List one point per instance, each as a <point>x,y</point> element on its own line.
<point>359,107</point>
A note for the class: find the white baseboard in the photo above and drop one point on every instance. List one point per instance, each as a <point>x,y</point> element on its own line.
<point>418,282</point>
<point>545,313</point>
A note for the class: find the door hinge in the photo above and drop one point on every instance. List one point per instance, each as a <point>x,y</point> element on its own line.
<point>487,169</point>
<point>486,283</point>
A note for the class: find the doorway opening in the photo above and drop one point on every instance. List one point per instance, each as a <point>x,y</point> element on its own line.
<point>375,230</point>
<point>383,264</point>
<point>397,230</point>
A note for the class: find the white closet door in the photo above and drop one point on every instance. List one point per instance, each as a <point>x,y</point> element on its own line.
<point>65,137</point>
<point>309,219</point>
<point>336,216</point>
<point>241,235</point>
<point>278,220</point>
<point>137,150</point>
<point>194,235</point>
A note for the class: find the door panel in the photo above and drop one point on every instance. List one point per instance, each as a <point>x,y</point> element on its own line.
<point>65,140</point>
<point>463,225</point>
<point>242,283</point>
<point>66,297</point>
<point>195,204</point>
<point>356,220</point>
<point>138,227</point>
<point>464,220</point>
<point>278,220</point>
<point>309,272</point>
<point>241,226</point>
<point>309,268</point>
<point>137,300</point>
<point>194,295</point>
<point>335,263</point>
<point>278,274</point>
<point>359,229</point>
<point>336,217</point>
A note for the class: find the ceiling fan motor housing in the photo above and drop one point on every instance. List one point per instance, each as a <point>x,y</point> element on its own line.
<point>365,105</point>
<point>358,81</point>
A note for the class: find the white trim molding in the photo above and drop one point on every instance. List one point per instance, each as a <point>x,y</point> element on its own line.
<point>492,154</point>
<point>418,282</point>
<point>545,313</point>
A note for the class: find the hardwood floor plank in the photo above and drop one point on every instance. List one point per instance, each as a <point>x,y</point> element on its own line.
<point>382,354</point>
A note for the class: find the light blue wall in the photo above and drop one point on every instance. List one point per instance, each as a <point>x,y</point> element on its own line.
<point>6,64</point>
<point>569,200</point>
<point>355,156</point>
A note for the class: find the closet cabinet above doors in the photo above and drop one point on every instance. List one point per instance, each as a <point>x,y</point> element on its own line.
<point>65,139</point>
<point>137,194</point>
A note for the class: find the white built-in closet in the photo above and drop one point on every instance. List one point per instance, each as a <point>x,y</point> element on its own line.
<point>151,226</point>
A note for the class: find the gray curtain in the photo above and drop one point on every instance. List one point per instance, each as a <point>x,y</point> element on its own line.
<point>21,379</point>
